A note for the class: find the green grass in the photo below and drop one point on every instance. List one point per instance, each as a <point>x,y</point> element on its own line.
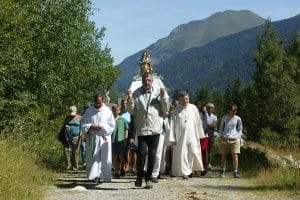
<point>281,178</point>
<point>21,177</point>
<point>257,163</point>
<point>278,176</point>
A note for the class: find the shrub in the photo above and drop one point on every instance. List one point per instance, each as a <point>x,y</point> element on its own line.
<point>251,160</point>
<point>269,137</point>
<point>38,135</point>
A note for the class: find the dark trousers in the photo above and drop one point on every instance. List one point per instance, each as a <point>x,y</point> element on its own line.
<point>83,150</point>
<point>147,145</point>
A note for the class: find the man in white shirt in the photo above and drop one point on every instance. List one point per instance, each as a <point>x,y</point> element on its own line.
<point>211,126</point>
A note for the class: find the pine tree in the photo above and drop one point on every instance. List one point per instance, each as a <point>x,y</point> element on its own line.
<point>293,65</point>
<point>218,100</point>
<point>274,88</point>
<point>294,56</point>
<point>233,92</point>
<point>203,95</point>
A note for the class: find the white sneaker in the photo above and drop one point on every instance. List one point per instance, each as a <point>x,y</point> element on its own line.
<point>209,167</point>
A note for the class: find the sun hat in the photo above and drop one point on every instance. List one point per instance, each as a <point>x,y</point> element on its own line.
<point>73,110</point>
<point>210,105</point>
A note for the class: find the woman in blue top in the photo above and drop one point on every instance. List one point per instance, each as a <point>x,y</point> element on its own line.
<point>72,151</point>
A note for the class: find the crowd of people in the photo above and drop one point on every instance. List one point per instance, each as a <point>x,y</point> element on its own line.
<point>149,135</point>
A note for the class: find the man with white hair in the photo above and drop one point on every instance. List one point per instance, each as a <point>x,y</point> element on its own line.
<point>211,126</point>
<point>71,142</point>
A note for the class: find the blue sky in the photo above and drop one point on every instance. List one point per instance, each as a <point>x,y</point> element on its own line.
<point>132,25</point>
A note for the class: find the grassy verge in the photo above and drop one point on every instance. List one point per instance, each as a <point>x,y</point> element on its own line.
<point>270,168</point>
<point>283,174</point>
<point>21,177</point>
<point>281,178</point>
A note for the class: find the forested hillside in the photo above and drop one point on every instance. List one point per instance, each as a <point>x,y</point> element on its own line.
<point>269,105</point>
<point>186,36</point>
<point>221,61</point>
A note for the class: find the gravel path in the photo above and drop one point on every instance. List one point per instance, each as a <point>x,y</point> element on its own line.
<point>74,186</point>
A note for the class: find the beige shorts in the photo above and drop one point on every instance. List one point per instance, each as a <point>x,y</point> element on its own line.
<point>232,145</point>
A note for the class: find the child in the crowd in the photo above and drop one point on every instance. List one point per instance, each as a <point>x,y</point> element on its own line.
<point>119,141</point>
<point>131,141</point>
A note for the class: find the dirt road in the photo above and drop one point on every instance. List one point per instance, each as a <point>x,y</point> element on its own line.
<point>74,186</point>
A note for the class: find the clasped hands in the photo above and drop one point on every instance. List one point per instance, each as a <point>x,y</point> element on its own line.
<point>95,127</point>
<point>98,127</point>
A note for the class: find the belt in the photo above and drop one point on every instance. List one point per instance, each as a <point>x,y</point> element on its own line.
<point>230,139</point>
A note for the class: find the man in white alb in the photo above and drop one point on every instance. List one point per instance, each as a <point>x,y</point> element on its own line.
<point>186,131</point>
<point>98,124</point>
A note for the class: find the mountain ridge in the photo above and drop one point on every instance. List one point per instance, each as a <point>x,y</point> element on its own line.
<point>181,39</point>
<point>219,62</point>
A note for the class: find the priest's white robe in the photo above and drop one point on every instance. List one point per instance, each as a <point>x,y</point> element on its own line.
<point>160,163</point>
<point>186,131</point>
<point>98,155</point>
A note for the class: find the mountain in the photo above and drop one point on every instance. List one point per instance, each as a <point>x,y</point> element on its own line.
<point>187,36</point>
<point>198,33</point>
<point>220,61</point>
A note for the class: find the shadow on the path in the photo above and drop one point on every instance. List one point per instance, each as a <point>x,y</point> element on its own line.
<point>72,179</point>
<point>238,187</point>
<point>94,186</point>
<point>88,186</point>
